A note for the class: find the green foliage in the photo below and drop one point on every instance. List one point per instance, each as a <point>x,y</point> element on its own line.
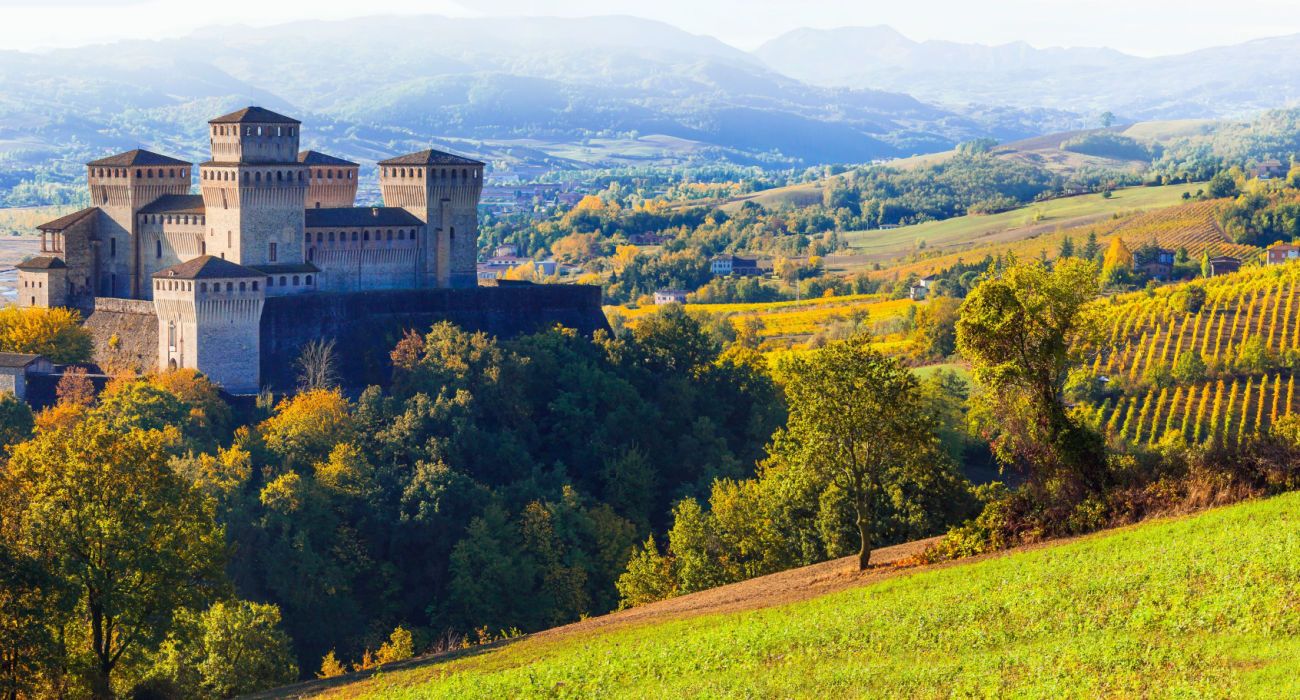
<point>1188,367</point>
<point>1107,145</point>
<point>649,577</point>
<point>232,648</point>
<point>16,421</point>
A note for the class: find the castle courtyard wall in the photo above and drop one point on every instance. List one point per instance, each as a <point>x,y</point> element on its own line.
<point>124,333</point>
<point>367,325</point>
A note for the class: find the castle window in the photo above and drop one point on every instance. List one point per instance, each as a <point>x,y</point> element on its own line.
<point>112,247</point>
<point>243,287</point>
<point>257,177</point>
<point>254,286</point>
<point>452,233</point>
<point>157,251</point>
<point>282,280</point>
<point>171,336</point>
<point>171,172</point>
<point>245,178</point>
<point>390,234</point>
<point>271,253</point>
<point>259,131</point>
<point>279,131</point>
<point>279,176</point>
<point>229,241</point>
<point>138,173</point>
<point>319,236</point>
<point>291,131</point>
<point>270,281</point>
<point>300,176</point>
<point>331,236</point>
<point>311,253</point>
<point>295,280</point>
<point>308,280</point>
<point>203,286</point>
<point>307,238</point>
<point>401,235</point>
<point>365,235</point>
<point>203,247</point>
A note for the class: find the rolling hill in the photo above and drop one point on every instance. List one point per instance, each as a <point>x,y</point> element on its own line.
<point>1201,606</point>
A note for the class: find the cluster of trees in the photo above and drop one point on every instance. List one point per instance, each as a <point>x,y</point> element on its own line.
<point>155,538</point>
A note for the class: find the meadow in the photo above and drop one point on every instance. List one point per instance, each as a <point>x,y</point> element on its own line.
<point>966,232</point>
<point>1202,606</point>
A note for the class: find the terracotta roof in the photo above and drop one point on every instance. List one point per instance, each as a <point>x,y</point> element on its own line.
<point>17,359</point>
<point>285,268</point>
<point>206,267</point>
<point>175,204</point>
<point>430,156</point>
<point>318,158</point>
<point>357,217</point>
<point>139,157</point>
<point>44,262</point>
<point>1283,246</point>
<point>64,222</point>
<point>253,115</point>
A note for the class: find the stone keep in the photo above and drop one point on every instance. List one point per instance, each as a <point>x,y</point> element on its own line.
<point>209,311</point>
<point>254,188</point>
<point>443,190</point>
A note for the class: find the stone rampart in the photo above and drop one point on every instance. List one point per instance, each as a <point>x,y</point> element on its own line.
<point>124,332</point>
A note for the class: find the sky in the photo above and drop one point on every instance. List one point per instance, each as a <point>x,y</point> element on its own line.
<point>1141,27</point>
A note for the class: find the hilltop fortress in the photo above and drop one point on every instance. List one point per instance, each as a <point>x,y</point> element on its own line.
<point>223,273</point>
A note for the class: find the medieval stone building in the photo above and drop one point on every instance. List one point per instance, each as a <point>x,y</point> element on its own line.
<point>269,221</point>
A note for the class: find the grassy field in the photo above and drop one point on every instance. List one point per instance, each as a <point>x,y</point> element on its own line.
<point>967,232</point>
<point>1199,607</point>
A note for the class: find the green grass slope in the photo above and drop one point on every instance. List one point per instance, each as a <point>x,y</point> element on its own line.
<point>962,232</point>
<point>1205,606</point>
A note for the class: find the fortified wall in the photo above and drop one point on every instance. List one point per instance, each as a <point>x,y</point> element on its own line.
<point>124,333</point>
<point>367,325</point>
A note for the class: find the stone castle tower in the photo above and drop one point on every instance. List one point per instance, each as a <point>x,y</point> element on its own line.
<point>443,190</point>
<point>254,188</point>
<point>120,186</point>
<point>270,221</point>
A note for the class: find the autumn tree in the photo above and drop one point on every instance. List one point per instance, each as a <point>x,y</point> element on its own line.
<point>317,365</point>
<point>1117,264</point>
<point>56,333</point>
<point>857,419</point>
<point>122,532</point>
<point>232,648</point>
<point>1023,332</point>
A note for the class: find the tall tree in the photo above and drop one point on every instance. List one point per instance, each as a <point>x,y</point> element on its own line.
<point>857,418</point>
<point>121,531</point>
<point>1023,331</point>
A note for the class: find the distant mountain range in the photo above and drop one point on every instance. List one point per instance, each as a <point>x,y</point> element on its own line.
<point>534,91</point>
<point>546,93</point>
<point>1216,82</point>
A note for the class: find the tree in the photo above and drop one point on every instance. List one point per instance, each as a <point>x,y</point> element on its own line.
<point>1067,248</point>
<point>232,648</point>
<point>1188,367</point>
<point>1107,118</point>
<point>75,387</point>
<point>1023,332</point>
<point>649,577</point>
<point>1117,263</point>
<point>1222,185</point>
<point>16,421</point>
<point>1206,269</point>
<point>1193,299</point>
<point>936,327</point>
<point>1091,249</point>
<point>56,333</point>
<point>317,366</point>
<point>857,419</point>
<point>126,535</point>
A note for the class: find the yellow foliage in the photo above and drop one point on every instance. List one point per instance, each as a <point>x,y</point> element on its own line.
<point>55,333</point>
<point>399,647</point>
<point>306,428</point>
<point>1118,256</point>
<point>525,272</point>
<point>60,416</point>
<point>330,667</point>
<point>624,255</point>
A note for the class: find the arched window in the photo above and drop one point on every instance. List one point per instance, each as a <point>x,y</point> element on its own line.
<point>230,287</point>
<point>254,286</point>
<point>245,178</point>
<point>257,177</point>
<point>295,280</point>
<point>452,232</point>
<point>390,234</point>
<point>365,235</point>
<point>138,173</point>
<point>157,251</point>
<point>306,238</point>
<point>242,288</point>
<point>279,176</point>
<point>331,236</point>
<point>401,235</point>
<point>308,280</point>
<point>282,282</point>
<point>203,286</point>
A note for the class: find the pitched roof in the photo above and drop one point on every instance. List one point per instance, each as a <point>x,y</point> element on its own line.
<point>206,267</point>
<point>64,222</point>
<point>430,156</point>
<point>44,262</point>
<point>253,115</point>
<point>175,204</point>
<point>1283,246</point>
<point>17,359</point>
<point>139,157</point>
<point>354,217</point>
<point>318,158</point>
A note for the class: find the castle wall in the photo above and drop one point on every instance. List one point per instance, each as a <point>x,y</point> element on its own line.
<point>332,186</point>
<point>249,207</point>
<point>124,333</point>
<point>169,239</point>
<point>368,325</point>
<point>120,193</point>
<point>357,259</point>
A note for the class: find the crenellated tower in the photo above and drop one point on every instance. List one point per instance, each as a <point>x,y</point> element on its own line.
<point>331,181</point>
<point>209,311</point>
<point>443,190</point>
<point>254,189</point>
<point>120,186</point>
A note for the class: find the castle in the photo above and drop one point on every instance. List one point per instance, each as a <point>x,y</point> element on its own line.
<point>270,221</point>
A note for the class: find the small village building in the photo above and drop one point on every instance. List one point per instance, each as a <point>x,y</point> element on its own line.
<point>1270,169</point>
<point>17,368</point>
<point>918,292</point>
<point>724,265</point>
<point>1160,266</point>
<point>670,296</point>
<point>1224,265</point>
<point>1282,253</point>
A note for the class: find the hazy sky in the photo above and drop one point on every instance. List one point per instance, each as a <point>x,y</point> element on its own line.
<point>1145,27</point>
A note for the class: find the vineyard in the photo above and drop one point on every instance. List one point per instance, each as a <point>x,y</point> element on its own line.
<point>1220,372</point>
<point>785,324</point>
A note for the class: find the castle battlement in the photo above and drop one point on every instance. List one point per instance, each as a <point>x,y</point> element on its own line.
<point>268,221</point>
